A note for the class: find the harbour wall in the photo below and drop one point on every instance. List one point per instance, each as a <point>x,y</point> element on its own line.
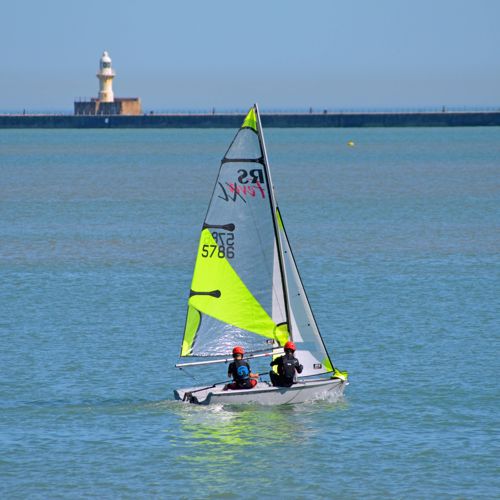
<point>276,120</point>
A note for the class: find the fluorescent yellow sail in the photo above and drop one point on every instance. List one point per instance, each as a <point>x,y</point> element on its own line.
<point>281,334</point>
<point>192,325</point>
<point>251,120</point>
<point>218,291</point>
<point>340,375</point>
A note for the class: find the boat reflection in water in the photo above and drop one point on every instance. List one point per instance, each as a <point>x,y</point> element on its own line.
<point>215,442</point>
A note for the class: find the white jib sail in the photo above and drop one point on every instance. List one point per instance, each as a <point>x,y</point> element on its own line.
<point>311,351</point>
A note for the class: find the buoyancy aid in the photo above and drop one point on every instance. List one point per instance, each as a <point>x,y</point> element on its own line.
<point>289,364</point>
<point>241,373</point>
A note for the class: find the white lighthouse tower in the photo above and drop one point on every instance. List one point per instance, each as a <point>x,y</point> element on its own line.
<point>106,103</point>
<point>105,75</point>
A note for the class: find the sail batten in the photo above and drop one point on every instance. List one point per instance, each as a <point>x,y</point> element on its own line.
<point>243,160</point>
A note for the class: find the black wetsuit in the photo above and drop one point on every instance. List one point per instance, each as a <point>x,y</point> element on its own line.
<point>287,366</point>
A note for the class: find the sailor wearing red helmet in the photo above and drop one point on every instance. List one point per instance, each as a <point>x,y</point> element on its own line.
<point>240,371</point>
<point>288,365</point>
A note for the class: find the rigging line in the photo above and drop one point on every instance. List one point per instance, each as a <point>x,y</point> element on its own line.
<point>208,387</point>
<point>189,374</point>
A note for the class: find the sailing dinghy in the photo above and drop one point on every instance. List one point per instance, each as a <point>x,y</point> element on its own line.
<point>246,288</point>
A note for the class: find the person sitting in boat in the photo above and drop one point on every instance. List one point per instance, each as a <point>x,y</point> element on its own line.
<point>288,365</point>
<point>241,372</point>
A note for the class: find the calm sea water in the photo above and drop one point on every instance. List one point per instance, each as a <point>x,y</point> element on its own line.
<point>398,244</point>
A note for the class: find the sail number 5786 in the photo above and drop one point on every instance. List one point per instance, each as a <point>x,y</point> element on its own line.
<point>224,247</point>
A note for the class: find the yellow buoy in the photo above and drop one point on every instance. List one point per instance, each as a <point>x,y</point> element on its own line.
<point>350,144</point>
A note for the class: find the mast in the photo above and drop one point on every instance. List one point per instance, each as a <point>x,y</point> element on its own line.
<point>274,208</point>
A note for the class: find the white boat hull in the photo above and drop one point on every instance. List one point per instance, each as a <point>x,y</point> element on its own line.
<point>264,393</point>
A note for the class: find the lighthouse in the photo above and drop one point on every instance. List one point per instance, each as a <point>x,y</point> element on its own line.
<point>105,76</point>
<point>106,103</point>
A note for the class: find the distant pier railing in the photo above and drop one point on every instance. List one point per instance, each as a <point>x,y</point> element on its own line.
<point>281,111</point>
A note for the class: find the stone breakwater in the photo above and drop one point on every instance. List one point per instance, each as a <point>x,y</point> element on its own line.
<point>277,120</point>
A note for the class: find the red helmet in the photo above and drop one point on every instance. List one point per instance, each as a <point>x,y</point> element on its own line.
<point>238,350</point>
<point>290,345</point>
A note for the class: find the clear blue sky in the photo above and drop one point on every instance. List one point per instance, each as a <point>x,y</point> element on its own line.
<point>193,54</point>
